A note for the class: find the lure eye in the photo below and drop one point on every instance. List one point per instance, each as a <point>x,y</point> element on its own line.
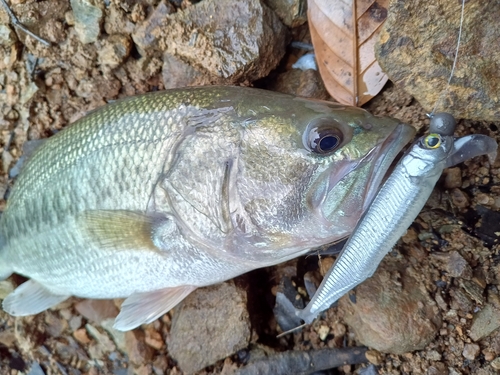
<point>325,139</point>
<point>432,141</point>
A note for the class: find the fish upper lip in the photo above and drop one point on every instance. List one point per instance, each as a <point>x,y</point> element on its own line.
<point>385,155</point>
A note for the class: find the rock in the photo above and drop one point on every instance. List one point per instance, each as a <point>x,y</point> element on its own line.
<point>240,40</point>
<point>474,290</point>
<point>323,332</point>
<point>495,363</point>
<point>454,264</point>
<point>210,324</point>
<point>7,160</point>
<point>417,47</point>
<point>459,198</point>
<point>97,310</point>
<point>138,352</point>
<point>144,68</point>
<point>392,315</point>
<point>75,322</point>
<point>452,178</point>
<point>292,13</point>
<point>160,365</point>
<point>81,336</point>
<point>6,287</point>
<point>307,84</point>
<point>433,355</point>
<point>88,16</point>
<point>460,300</point>
<point>484,322</point>
<point>27,92</point>
<point>54,325</point>
<point>8,337</point>
<point>177,73</point>
<point>116,21</point>
<point>471,351</point>
<point>117,336</point>
<point>146,36</point>
<point>115,50</point>
<point>153,339</point>
<point>102,339</point>
<point>374,357</point>
<point>7,36</point>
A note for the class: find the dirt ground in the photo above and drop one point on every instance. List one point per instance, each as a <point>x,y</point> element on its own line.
<point>43,89</point>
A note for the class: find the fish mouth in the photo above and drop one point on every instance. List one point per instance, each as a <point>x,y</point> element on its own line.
<point>384,157</point>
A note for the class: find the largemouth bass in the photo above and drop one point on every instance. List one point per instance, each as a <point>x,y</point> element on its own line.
<point>154,196</point>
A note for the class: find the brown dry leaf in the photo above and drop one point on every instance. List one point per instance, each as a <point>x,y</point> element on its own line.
<point>344,46</point>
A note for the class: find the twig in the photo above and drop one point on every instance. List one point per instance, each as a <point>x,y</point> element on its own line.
<point>20,26</point>
<point>297,362</point>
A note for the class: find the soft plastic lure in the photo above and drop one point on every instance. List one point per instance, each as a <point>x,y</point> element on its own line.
<point>394,208</point>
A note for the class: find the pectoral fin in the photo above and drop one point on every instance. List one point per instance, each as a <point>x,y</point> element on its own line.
<point>30,298</point>
<point>118,229</point>
<point>144,308</point>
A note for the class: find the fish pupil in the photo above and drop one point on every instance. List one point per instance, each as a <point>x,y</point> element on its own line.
<point>432,141</point>
<point>328,143</point>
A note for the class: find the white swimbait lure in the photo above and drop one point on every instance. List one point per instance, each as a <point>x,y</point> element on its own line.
<point>395,207</point>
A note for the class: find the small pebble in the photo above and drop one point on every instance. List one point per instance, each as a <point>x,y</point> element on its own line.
<point>137,351</point>
<point>452,178</point>
<point>97,310</point>
<point>102,338</point>
<point>488,355</point>
<point>433,355</point>
<point>81,336</point>
<point>75,322</point>
<point>323,332</point>
<point>6,287</point>
<point>496,363</point>
<point>471,351</point>
<point>115,50</point>
<point>459,198</point>
<point>154,339</point>
<point>346,369</point>
<point>374,357</point>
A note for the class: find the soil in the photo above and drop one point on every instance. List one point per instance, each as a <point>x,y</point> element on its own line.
<point>43,89</point>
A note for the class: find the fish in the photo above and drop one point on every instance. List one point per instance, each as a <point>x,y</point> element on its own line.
<point>395,207</point>
<point>153,196</point>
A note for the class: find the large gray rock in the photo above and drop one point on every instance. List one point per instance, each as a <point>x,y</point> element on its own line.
<point>392,311</point>
<point>417,47</point>
<point>211,324</point>
<point>236,40</point>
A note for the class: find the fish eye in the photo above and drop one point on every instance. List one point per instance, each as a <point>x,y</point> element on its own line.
<point>325,138</point>
<point>432,141</point>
